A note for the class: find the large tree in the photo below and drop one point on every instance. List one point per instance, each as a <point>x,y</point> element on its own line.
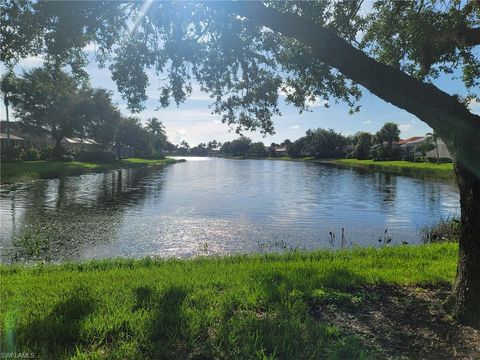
<point>47,99</point>
<point>245,53</point>
<point>98,114</point>
<point>323,143</point>
<point>389,133</point>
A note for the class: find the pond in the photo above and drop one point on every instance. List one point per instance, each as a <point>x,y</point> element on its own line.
<point>217,206</point>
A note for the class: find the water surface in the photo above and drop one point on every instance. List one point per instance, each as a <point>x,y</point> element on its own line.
<point>220,206</point>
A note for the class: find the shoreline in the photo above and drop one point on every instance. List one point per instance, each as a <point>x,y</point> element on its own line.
<point>20,172</point>
<point>401,167</point>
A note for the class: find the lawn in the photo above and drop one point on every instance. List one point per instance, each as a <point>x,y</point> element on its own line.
<point>12,172</point>
<point>401,167</point>
<point>288,306</point>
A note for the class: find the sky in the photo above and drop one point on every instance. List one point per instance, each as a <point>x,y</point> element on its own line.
<point>193,121</point>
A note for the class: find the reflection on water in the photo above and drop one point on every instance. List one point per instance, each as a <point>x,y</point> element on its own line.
<point>219,206</point>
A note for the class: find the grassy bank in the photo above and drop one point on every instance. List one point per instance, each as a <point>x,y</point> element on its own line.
<point>400,167</point>
<point>263,306</point>
<point>12,172</point>
<point>397,167</point>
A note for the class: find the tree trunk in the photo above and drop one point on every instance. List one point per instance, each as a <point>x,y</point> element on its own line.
<point>464,301</point>
<point>57,150</point>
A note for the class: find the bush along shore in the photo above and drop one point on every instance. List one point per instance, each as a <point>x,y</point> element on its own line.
<point>360,303</point>
<point>21,171</point>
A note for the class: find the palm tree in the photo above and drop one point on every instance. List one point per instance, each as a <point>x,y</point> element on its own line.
<point>434,136</point>
<point>155,127</point>
<point>389,133</point>
<point>7,85</point>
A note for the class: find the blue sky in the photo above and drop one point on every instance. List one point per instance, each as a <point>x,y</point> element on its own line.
<point>193,120</point>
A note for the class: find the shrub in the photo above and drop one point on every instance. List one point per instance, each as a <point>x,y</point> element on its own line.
<point>31,154</point>
<point>362,152</point>
<point>67,158</point>
<point>98,156</point>
<point>396,153</point>
<point>387,152</point>
<point>46,153</point>
<point>445,230</point>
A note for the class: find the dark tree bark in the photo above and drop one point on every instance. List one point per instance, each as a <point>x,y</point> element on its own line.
<point>465,297</point>
<point>57,150</point>
<point>454,123</point>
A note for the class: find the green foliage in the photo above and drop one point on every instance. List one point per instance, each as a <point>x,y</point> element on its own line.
<point>387,153</point>
<point>46,153</point>
<point>199,150</point>
<point>403,167</point>
<point>238,147</point>
<point>23,171</point>
<point>67,158</point>
<point>98,114</point>
<point>46,98</point>
<point>50,99</point>
<point>257,149</point>
<point>31,244</point>
<point>426,38</point>
<point>244,66</point>
<point>389,133</point>
<point>324,144</point>
<point>256,306</point>
<point>444,230</point>
<point>363,143</point>
<point>426,146</point>
<point>96,156</point>
<point>31,154</point>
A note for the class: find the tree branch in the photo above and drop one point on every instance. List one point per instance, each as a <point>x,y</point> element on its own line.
<point>433,106</point>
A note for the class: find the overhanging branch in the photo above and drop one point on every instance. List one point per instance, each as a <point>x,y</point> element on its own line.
<point>425,101</point>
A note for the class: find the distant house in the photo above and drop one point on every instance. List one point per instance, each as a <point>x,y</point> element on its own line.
<point>410,148</point>
<point>443,152</point>
<point>77,144</point>
<point>14,141</point>
<point>280,150</point>
<point>410,140</point>
<point>39,139</point>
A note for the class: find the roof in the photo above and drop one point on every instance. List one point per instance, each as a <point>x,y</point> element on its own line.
<point>414,139</point>
<point>12,137</point>
<point>76,140</point>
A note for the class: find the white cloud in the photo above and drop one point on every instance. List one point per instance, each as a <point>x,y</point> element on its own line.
<point>198,94</point>
<point>366,122</point>
<point>405,128</point>
<point>196,133</point>
<point>474,106</point>
<point>90,47</point>
<point>31,61</point>
<point>294,127</point>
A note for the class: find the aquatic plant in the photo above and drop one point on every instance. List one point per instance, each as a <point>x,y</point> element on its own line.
<point>446,229</point>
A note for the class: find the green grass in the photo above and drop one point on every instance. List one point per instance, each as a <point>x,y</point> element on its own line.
<point>12,172</point>
<point>444,170</point>
<point>240,307</point>
<point>401,167</point>
<point>289,158</point>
